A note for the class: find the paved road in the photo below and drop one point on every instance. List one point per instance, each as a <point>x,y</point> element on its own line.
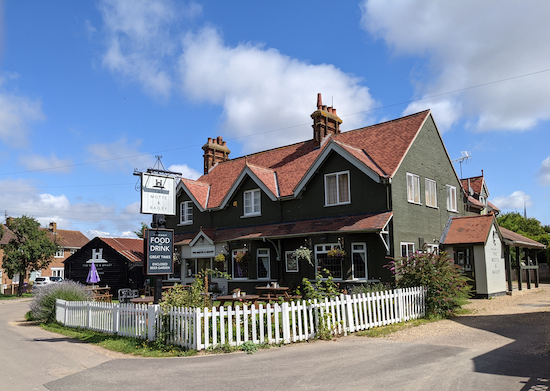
<point>33,359</point>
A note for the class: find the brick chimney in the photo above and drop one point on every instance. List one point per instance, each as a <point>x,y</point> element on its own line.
<point>215,151</point>
<point>325,121</point>
<point>53,227</point>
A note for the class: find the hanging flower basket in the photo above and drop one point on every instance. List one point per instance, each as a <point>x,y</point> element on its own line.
<point>241,256</point>
<point>303,254</point>
<point>336,253</point>
<point>220,257</point>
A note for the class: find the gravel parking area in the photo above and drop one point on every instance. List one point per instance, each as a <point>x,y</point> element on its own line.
<point>523,317</point>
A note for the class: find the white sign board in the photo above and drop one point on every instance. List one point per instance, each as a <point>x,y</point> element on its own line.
<point>157,194</point>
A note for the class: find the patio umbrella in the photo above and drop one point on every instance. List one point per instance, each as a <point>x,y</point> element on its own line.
<point>93,276</point>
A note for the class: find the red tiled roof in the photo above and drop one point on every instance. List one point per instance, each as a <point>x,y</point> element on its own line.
<point>199,190</point>
<point>468,229</point>
<point>516,239</point>
<point>359,223</point>
<point>129,247</point>
<point>493,207</point>
<point>8,235</point>
<point>268,177</point>
<point>66,238</point>
<point>380,147</point>
<point>475,202</point>
<point>476,183</point>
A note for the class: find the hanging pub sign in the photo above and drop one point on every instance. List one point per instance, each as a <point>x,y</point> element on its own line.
<point>159,250</point>
<point>157,194</point>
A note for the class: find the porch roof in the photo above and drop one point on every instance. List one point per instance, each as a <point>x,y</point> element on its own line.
<point>514,239</point>
<point>357,223</point>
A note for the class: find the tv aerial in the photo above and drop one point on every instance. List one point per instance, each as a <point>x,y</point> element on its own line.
<point>465,158</point>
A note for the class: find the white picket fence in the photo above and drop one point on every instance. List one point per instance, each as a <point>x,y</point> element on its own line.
<point>200,329</point>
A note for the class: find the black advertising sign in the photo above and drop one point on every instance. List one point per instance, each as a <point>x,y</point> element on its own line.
<point>159,250</point>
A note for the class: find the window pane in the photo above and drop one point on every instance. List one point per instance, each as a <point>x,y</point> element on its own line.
<point>343,188</point>
<point>330,189</point>
<point>257,199</point>
<point>247,202</point>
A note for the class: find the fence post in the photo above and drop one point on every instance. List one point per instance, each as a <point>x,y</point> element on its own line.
<point>196,329</point>
<point>349,309</point>
<point>286,322</point>
<point>152,321</point>
<point>115,313</point>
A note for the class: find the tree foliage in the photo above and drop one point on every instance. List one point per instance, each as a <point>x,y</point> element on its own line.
<point>141,232</point>
<point>29,250</point>
<point>447,286</point>
<point>528,227</point>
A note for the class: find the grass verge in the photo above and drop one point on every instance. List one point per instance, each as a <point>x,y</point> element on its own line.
<point>383,331</point>
<point>10,297</point>
<point>133,346</point>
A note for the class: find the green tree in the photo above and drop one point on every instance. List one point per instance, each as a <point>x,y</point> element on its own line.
<point>528,227</point>
<point>29,250</point>
<point>141,232</point>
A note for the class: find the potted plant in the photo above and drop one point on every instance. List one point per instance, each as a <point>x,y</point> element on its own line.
<point>303,254</point>
<point>336,253</point>
<point>220,257</point>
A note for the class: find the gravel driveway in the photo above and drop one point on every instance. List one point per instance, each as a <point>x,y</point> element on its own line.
<point>495,320</point>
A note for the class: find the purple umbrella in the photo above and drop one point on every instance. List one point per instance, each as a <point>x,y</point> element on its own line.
<point>93,276</point>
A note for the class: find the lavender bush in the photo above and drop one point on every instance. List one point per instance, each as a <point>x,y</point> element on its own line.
<point>43,304</point>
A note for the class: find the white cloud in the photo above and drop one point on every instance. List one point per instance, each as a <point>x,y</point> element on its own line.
<point>544,172</point>
<point>138,40</point>
<point>514,201</point>
<point>262,89</point>
<point>52,163</point>
<point>121,155</point>
<point>185,170</point>
<point>17,113</point>
<point>470,43</point>
<point>140,45</point>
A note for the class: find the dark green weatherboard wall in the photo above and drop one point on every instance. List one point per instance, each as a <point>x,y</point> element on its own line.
<point>367,196</point>
<point>427,159</point>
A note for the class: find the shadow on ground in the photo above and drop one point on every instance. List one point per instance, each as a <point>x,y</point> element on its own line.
<point>528,356</point>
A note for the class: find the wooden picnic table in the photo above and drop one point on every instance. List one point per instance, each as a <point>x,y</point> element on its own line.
<point>246,299</point>
<point>143,300</point>
<point>100,293</point>
<point>270,293</point>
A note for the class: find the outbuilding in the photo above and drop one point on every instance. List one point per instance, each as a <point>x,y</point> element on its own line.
<point>119,262</point>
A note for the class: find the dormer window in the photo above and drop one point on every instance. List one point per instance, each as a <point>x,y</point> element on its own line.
<point>252,203</point>
<point>337,191</point>
<point>186,212</point>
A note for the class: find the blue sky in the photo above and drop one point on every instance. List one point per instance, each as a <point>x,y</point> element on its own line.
<point>90,91</point>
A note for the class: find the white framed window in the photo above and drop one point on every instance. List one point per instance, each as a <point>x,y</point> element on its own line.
<point>483,200</point>
<point>322,260</point>
<point>430,192</point>
<point>337,188</point>
<point>291,262</point>
<point>186,212</point>
<point>263,259</point>
<point>58,272</point>
<point>413,188</point>
<point>60,253</point>
<point>73,250</point>
<point>407,249</point>
<point>196,265</point>
<point>252,202</point>
<point>451,198</point>
<point>432,248</point>
<point>359,261</point>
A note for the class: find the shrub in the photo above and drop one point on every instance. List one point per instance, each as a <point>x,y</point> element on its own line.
<point>370,287</point>
<point>447,287</point>
<point>43,304</point>
<point>321,288</point>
